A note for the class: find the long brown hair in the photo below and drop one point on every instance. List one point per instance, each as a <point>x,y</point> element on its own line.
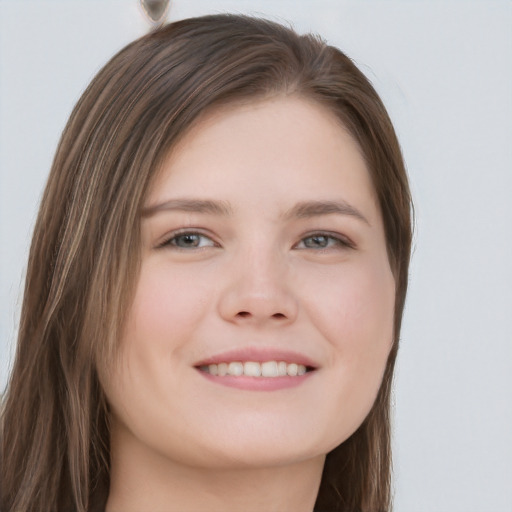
<point>84,258</point>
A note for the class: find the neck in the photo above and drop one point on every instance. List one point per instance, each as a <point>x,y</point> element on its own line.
<point>145,481</point>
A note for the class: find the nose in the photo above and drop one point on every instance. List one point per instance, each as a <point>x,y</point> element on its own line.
<point>258,292</point>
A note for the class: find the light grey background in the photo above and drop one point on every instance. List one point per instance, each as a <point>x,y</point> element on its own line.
<point>444,70</point>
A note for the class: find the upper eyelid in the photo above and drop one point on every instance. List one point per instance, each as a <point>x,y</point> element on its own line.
<point>183,231</point>
<point>329,234</point>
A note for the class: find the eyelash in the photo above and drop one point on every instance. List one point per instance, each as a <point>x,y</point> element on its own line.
<point>169,241</point>
<point>339,241</point>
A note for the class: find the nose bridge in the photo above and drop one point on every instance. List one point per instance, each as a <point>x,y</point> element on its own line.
<point>258,288</point>
<point>262,273</point>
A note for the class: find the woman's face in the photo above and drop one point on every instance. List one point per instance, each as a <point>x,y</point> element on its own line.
<point>263,251</point>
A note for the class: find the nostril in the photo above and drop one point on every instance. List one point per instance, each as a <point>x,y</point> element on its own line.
<point>278,315</point>
<point>243,314</point>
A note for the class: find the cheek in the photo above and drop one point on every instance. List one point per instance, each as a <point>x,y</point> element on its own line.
<point>355,316</point>
<point>353,306</point>
<point>161,324</point>
<point>167,307</point>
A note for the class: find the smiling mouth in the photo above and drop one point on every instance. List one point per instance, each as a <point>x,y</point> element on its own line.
<point>265,369</point>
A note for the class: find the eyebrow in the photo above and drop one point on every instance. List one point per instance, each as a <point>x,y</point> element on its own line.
<point>189,205</point>
<point>302,210</point>
<point>308,209</point>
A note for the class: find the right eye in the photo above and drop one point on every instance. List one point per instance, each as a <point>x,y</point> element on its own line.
<point>188,240</point>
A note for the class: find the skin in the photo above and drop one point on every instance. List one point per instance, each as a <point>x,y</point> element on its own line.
<point>255,279</point>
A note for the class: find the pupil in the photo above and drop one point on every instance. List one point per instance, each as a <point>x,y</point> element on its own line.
<point>318,241</point>
<point>188,240</point>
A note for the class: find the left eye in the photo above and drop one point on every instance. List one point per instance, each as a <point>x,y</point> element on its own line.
<point>321,241</point>
<point>189,241</point>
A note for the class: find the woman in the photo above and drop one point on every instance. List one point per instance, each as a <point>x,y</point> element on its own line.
<point>215,285</point>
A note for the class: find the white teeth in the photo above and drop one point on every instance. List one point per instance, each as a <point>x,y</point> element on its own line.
<point>292,370</point>
<point>235,369</point>
<point>281,368</point>
<point>253,369</point>
<point>269,369</point>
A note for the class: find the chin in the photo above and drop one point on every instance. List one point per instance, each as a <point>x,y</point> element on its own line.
<point>256,445</point>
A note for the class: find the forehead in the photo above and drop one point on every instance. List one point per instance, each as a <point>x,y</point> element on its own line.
<point>281,149</point>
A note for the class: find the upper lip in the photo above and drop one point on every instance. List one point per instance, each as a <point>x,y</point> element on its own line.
<point>258,355</point>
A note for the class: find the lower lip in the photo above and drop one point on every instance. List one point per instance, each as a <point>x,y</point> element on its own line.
<point>257,383</point>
